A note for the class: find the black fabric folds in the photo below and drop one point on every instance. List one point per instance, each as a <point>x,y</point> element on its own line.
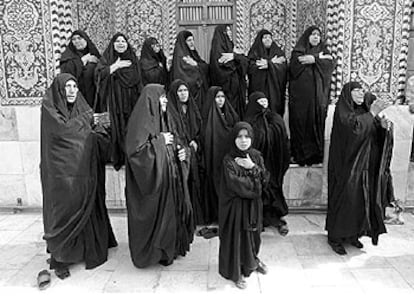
<point>309,86</point>
<point>359,179</point>
<point>271,81</point>
<point>118,93</point>
<point>70,62</point>
<point>160,218</point>
<point>76,223</point>
<point>196,76</point>
<point>191,123</point>
<point>153,65</point>
<point>272,141</point>
<point>240,210</point>
<point>231,76</point>
<point>218,122</point>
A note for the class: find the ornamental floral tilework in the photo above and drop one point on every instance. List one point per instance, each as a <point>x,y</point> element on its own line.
<point>97,18</point>
<point>145,19</point>
<point>372,46</point>
<point>274,16</point>
<point>26,54</point>
<point>310,12</point>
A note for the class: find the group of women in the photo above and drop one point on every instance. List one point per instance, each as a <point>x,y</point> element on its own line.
<point>189,159</point>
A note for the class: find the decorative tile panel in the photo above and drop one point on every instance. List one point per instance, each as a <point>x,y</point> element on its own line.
<point>373,43</point>
<point>26,51</point>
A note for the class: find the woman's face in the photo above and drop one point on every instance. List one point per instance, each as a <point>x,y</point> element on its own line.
<point>267,40</point>
<point>220,99</point>
<point>243,140</point>
<point>182,93</point>
<point>357,95</point>
<point>79,42</point>
<point>315,38</point>
<point>71,91</point>
<point>190,42</point>
<point>120,44</point>
<point>263,102</point>
<point>229,32</point>
<point>156,47</point>
<point>163,102</point>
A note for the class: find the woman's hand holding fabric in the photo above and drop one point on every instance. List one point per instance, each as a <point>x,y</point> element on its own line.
<point>189,60</point>
<point>226,57</point>
<point>181,154</point>
<point>306,59</point>
<point>245,162</point>
<point>119,64</point>
<point>261,64</point>
<point>378,106</point>
<point>278,60</point>
<point>325,56</point>
<point>168,137</point>
<point>88,58</point>
<point>194,145</point>
<point>385,122</point>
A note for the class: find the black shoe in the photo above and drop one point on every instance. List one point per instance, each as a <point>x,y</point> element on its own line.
<point>337,247</point>
<point>261,267</point>
<point>356,243</point>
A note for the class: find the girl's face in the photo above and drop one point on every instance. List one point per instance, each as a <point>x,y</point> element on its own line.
<point>315,38</point>
<point>263,102</point>
<point>79,42</point>
<point>190,42</point>
<point>243,140</point>
<point>163,102</point>
<point>220,99</point>
<point>71,91</point>
<point>267,40</point>
<point>229,32</point>
<point>182,93</point>
<point>357,95</point>
<point>120,44</point>
<point>156,47</point>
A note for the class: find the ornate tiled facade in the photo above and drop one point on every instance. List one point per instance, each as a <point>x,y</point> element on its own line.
<point>373,32</point>
<point>26,51</point>
<point>368,38</point>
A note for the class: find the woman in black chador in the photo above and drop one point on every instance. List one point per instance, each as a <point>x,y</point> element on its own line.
<point>219,118</point>
<point>270,138</point>
<point>311,67</point>
<point>359,180</point>
<point>228,69</point>
<point>79,59</point>
<point>119,85</point>
<point>160,217</point>
<point>190,118</point>
<point>268,70</point>
<point>187,65</point>
<point>72,169</point>
<point>153,63</point>
<point>243,177</point>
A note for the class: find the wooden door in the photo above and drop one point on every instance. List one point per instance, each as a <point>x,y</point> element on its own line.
<point>201,17</point>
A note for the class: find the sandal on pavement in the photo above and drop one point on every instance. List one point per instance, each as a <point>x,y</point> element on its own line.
<point>241,283</point>
<point>43,279</point>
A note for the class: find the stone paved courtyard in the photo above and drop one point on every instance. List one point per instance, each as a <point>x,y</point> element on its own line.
<point>300,264</point>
